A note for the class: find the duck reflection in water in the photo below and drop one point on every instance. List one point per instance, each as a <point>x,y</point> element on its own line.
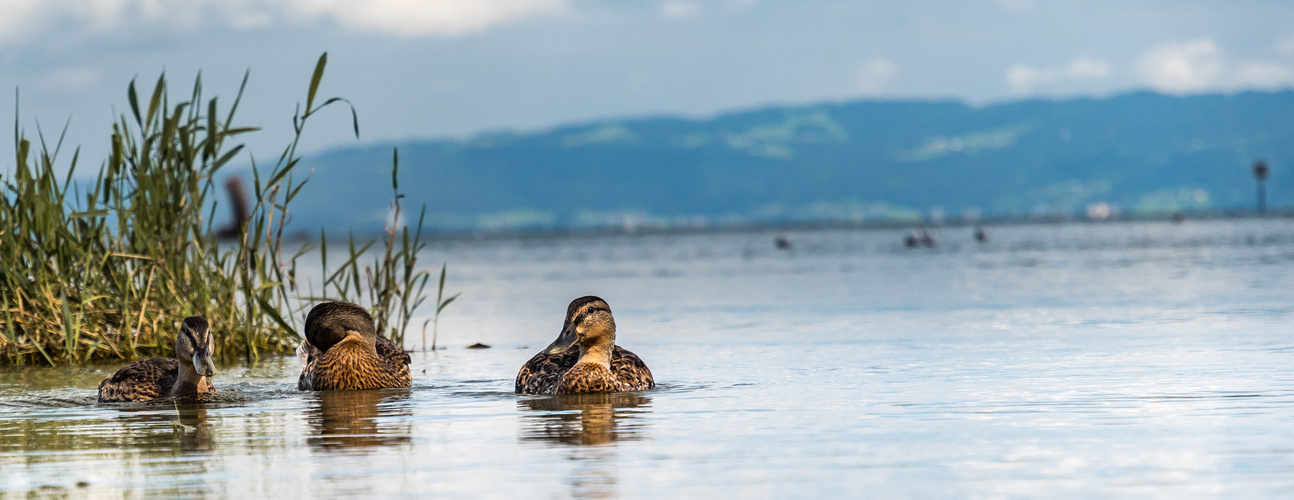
<point>186,424</point>
<point>195,434</point>
<point>355,419</point>
<point>584,419</point>
<point>589,426</point>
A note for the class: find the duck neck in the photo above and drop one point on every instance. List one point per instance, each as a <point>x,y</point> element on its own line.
<point>188,382</point>
<point>599,350</point>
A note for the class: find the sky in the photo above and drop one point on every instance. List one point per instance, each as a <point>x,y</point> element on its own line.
<point>439,68</point>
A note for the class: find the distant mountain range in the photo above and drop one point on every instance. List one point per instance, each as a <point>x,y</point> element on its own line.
<point>863,161</point>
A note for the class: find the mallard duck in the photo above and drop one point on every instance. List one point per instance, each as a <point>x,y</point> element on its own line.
<point>342,350</point>
<point>599,365</point>
<point>158,378</point>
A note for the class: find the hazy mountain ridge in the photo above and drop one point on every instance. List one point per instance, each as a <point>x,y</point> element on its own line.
<point>864,160</point>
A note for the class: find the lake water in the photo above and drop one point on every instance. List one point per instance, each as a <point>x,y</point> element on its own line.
<point>1091,360</point>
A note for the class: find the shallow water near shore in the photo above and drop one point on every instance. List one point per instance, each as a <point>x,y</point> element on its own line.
<point>1121,359</point>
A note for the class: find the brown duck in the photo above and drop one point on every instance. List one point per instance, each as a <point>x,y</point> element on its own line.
<point>599,365</point>
<point>343,351</point>
<point>159,378</point>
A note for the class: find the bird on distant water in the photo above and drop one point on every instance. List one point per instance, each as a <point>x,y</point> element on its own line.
<point>599,365</point>
<point>342,350</point>
<point>159,378</point>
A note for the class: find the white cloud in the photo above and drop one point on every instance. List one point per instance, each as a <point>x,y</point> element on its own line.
<point>1182,67</point>
<point>20,16</point>
<point>26,21</point>
<point>679,9</point>
<point>424,17</point>
<point>1263,75</point>
<point>1024,78</point>
<point>873,75</point>
<point>1201,66</point>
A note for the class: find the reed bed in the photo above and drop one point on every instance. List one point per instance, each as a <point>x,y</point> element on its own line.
<point>105,269</point>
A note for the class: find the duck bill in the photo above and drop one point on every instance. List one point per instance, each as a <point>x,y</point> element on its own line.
<point>202,363</point>
<point>563,342</point>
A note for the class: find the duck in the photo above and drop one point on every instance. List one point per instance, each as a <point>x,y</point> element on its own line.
<point>599,365</point>
<point>342,351</point>
<point>160,378</point>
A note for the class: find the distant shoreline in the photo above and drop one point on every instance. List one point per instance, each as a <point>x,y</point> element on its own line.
<point>769,226</point>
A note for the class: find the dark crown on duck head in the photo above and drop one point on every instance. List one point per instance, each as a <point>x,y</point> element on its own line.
<point>194,342</point>
<point>585,306</point>
<point>328,323</point>
<point>588,319</point>
<point>196,324</point>
<point>193,337</point>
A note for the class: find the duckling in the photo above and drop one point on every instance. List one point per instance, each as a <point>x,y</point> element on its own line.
<point>159,378</point>
<point>342,350</point>
<point>598,366</point>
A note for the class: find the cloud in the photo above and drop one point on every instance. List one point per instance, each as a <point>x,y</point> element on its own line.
<point>26,21</point>
<point>1024,78</point>
<point>424,17</point>
<point>1263,75</point>
<point>1182,67</point>
<point>873,75</point>
<point>1201,66</point>
<point>679,9</point>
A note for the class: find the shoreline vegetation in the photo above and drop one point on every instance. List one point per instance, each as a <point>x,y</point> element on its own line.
<point>105,270</point>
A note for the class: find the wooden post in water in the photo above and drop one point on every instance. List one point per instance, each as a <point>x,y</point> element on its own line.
<point>1260,174</point>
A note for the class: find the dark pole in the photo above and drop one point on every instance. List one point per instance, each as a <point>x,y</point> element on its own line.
<point>1260,173</point>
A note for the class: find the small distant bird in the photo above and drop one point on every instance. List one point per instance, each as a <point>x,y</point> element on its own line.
<point>159,378</point>
<point>238,204</point>
<point>342,350</point>
<point>928,238</point>
<point>597,366</point>
<point>920,237</point>
<point>782,242</point>
<point>980,234</point>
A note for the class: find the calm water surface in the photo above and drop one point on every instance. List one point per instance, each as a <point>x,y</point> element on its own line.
<point>1146,360</point>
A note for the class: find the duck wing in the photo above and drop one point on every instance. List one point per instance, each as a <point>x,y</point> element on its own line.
<point>307,354</point>
<point>386,349</point>
<point>631,372</point>
<point>544,371</point>
<point>140,381</point>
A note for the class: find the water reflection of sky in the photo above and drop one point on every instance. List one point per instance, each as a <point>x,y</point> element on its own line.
<point>1081,360</point>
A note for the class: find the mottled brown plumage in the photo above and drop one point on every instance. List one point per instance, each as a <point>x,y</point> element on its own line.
<point>159,378</point>
<point>597,366</point>
<point>343,351</point>
<point>543,373</point>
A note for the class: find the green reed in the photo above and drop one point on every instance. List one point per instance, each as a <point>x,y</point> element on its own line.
<point>105,270</point>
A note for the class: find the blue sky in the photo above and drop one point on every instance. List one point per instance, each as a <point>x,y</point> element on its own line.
<point>442,68</point>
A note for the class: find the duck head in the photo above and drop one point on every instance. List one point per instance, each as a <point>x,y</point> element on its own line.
<point>193,342</point>
<point>331,322</point>
<point>588,323</point>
